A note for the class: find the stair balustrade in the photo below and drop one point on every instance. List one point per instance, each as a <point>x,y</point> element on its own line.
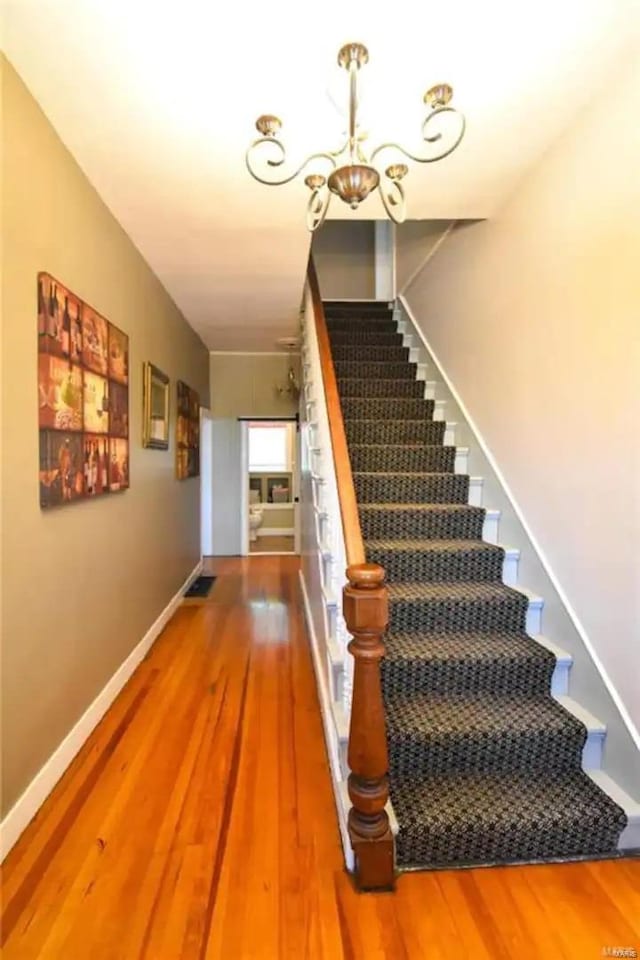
<point>363,614</point>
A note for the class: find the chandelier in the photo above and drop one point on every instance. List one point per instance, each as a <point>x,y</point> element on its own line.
<point>349,172</point>
<point>291,387</point>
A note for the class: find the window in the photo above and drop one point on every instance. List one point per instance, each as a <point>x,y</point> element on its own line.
<point>269,448</point>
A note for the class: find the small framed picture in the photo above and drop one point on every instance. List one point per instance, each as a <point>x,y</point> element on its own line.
<point>155,415</point>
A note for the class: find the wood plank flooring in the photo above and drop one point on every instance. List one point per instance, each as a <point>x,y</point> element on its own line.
<point>198,823</point>
<point>272,545</point>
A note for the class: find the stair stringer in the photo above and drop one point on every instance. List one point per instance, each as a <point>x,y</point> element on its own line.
<point>611,753</point>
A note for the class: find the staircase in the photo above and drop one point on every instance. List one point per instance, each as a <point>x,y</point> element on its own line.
<point>485,765</point>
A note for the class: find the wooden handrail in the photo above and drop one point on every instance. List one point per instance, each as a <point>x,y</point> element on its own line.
<point>365,605</point>
<point>353,545</point>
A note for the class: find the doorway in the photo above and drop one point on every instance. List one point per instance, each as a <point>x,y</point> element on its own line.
<point>270,480</point>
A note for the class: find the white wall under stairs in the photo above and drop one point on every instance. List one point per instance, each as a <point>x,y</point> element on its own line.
<point>610,755</point>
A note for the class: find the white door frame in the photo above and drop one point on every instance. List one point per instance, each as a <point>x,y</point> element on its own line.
<point>295,485</point>
<point>206,483</point>
<point>244,499</point>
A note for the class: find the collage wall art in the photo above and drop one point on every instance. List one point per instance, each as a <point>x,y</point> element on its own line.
<point>83,398</point>
<point>83,402</point>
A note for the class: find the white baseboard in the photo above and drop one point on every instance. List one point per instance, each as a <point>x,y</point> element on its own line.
<point>276,531</point>
<point>330,732</point>
<point>26,807</point>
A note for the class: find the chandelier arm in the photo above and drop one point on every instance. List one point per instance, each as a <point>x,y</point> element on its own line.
<point>431,139</point>
<point>340,150</point>
<point>395,201</point>
<point>278,163</point>
<point>317,207</point>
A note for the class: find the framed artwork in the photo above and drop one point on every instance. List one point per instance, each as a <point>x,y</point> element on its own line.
<point>83,398</point>
<point>155,412</point>
<point>187,433</point>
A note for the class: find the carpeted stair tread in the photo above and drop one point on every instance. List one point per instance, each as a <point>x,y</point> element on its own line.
<point>374,324</point>
<point>439,521</point>
<point>437,560</point>
<point>445,662</point>
<point>454,591</point>
<point>415,487</point>
<point>372,387</point>
<point>456,607</point>
<point>396,408</point>
<point>357,336</point>
<point>463,819</point>
<point>385,432</point>
<point>431,733</point>
<point>358,352</point>
<point>355,310</point>
<point>361,369</point>
<point>405,458</point>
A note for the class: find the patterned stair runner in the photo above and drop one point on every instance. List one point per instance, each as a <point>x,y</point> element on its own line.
<point>485,766</point>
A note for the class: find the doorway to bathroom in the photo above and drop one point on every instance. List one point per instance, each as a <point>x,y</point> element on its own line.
<point>270,500</point>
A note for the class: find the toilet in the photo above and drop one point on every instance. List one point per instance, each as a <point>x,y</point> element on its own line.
<point>256,516</point>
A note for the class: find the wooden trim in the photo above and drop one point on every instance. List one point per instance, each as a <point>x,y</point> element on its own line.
<point>353,544</point>
<point>365,602</point>
<point>365,605</point>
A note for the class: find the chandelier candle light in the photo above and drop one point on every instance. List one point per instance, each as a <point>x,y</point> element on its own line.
<point>353,175</point>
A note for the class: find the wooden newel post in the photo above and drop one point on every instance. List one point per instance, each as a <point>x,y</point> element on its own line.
<point>366,613</point>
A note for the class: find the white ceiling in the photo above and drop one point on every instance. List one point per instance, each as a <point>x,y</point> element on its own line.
<point>157,100</point>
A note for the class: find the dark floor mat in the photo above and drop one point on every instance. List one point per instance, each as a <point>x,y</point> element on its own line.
<point>200,587</point>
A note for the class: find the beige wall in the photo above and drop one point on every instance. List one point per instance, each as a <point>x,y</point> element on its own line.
<point>243,385</point>
<point>82,584</point>
<point>281,517</point>
<point>344,255</point>
<point>416,241</point>
<point>535,316</point>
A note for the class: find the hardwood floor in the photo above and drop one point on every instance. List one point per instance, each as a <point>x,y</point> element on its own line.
<point>272,545</point>
<point>198,823</point>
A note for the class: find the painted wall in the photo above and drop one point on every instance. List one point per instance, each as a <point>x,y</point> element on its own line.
<point>416,241</point>
<point>241,385</point>
<point>535,315</point>
<point>82,584</point>
<point>227,487</point>
<point>344,255</point>
<point>244,384</point>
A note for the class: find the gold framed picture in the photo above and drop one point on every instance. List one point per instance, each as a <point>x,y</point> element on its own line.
<point>155,413</point>
<point>187,432</point>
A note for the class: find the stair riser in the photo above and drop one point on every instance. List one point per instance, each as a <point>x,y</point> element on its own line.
<point>466,524</point>
<point>383,354</point>
<point>402,459</point>
<point>493,677</point>
<point>381,388</point>
<point>468,845</point>
<point>434,488</point>
<point>394,432</point>
<point>472,752</point>
<point>375,369</point>
<point>461,460</point>
<point>443,567</point>
<point>476,615</point>
<point>491,526</point>
<point>386,408</point>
